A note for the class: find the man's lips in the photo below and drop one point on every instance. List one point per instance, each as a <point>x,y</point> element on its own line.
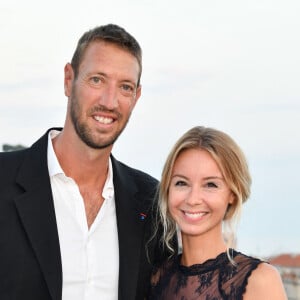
<point>103,120</point>
<point>104,116</point>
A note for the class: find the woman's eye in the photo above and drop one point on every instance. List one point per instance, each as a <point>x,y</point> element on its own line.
<point>211,185</point>
<point>180,183</point>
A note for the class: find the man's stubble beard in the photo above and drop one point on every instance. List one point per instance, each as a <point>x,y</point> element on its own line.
<point>84,132</point>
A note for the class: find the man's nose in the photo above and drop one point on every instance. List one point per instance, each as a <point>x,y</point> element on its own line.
<point>109,97</point>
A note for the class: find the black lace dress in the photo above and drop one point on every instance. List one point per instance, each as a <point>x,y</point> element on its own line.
<point>215,279</point>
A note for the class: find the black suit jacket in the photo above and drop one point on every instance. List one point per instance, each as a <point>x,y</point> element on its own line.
<point>30,261</point>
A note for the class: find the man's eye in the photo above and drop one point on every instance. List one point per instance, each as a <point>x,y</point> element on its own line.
<point>127,87</point>
<point>95,80</point>
<point>127,90</point>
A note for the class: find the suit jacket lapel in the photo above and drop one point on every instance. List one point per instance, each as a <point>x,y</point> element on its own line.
<point>130,229</point>
<point>36,209</point>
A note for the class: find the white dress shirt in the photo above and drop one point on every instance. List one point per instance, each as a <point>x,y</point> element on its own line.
<point>90,257</point>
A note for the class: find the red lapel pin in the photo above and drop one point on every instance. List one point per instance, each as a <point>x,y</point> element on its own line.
<point>143,216</point>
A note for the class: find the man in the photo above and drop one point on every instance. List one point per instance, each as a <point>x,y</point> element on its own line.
<point>74,221</point>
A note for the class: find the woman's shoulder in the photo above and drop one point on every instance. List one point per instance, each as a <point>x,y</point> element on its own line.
<point>244,261</point>
<point>266,270</point>
<point>265,283</point>
<point>248,277</point>
<point>245,257</point>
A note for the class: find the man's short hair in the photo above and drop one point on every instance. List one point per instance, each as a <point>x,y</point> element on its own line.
<point>110,33</point>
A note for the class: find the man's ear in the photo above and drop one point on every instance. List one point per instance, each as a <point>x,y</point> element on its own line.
<point>137,94</point>
<point>68,79</point>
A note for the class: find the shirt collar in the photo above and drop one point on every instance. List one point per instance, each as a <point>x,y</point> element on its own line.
<point>53,164</point>
<point>108,190</point>
<point>55,168</point>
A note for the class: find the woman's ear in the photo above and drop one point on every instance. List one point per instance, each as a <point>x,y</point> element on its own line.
<point>231,198</point>
<point>230,209</point>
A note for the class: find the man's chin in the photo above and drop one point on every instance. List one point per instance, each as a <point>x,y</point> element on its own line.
<point>99,144</point>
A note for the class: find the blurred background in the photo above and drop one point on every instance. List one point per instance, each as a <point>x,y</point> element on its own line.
<point>231,65</point>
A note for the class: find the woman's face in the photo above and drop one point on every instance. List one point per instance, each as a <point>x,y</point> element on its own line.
<point>198,195</point>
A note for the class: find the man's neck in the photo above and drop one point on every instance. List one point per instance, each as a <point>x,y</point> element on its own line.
<point>87,167</point>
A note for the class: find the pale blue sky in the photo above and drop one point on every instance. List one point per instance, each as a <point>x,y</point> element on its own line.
<point>232,65</point>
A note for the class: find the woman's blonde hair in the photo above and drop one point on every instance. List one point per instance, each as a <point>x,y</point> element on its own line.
<point>233,165</point>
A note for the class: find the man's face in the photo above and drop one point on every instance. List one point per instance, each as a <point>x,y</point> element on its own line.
<point>104,93</point>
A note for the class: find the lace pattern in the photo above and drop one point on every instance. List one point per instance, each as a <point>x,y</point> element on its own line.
<point>215,279</point>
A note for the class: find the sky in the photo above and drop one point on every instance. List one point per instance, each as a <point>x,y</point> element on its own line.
<point>233,65</point>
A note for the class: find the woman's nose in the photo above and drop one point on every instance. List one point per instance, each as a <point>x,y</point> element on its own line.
<point>195,196</point>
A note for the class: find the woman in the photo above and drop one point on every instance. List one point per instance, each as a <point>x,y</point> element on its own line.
<point>204,183</point>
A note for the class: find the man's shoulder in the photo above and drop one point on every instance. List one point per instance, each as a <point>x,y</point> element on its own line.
<point>11,161</point>
<point>12,157</point>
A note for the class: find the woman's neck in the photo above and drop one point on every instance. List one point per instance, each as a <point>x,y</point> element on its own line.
<point>197,250</point>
